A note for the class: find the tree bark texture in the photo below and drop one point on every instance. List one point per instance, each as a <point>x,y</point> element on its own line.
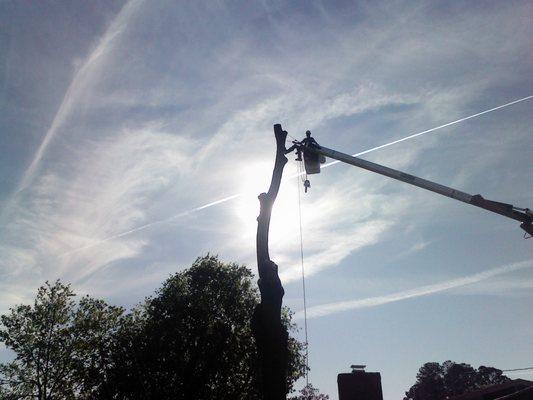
<point>270,335</point>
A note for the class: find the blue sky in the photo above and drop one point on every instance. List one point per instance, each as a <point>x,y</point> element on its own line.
<point>121,121</point>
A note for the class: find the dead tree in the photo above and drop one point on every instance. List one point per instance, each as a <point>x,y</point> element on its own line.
<point>269,333</point>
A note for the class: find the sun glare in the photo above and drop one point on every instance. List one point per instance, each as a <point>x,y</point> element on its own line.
<point>255,180</point>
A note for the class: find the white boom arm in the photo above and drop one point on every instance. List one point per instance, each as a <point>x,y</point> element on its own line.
<point>520,214</point>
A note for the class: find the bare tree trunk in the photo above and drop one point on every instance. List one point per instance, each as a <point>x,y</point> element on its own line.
<point>270,335</point>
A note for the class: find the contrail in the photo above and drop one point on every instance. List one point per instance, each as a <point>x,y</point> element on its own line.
<point>433,129</point>
<point>77,86</point>
<point>150,224</point>
<point>234,196</point>
<point>332,308</point>
<point>518,369</point>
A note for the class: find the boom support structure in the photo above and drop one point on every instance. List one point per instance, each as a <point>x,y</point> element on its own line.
<point>524,215</point>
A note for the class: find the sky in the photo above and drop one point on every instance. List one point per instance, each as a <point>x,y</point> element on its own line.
<point>136,135</point>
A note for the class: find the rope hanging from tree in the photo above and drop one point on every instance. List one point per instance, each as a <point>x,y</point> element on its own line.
<point>301,172</point>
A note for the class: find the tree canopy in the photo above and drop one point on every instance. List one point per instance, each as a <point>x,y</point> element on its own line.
<point>191,340</point>
<point>436,381</point>
<point>61,348</point>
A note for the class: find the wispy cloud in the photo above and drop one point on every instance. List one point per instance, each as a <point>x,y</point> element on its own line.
<point>169,116</point>
<point>81,83</point>
<point>104,194</point>
<point>341,306</point>
<point>174,112</point>
<point>417,247</point>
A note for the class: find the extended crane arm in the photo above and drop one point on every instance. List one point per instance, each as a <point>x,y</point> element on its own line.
<point>525,216</point>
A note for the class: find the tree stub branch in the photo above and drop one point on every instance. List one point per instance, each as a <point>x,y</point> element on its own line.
<point>270,335</point>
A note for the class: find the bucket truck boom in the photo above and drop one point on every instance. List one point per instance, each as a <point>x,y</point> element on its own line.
<point>314,154</point>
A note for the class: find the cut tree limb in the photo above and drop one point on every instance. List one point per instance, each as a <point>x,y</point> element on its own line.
<point>270,335</point>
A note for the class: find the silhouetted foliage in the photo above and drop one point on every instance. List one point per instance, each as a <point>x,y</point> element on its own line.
<point>436,381</point>
<point>193,340</point>
<point>310,393</point>
<point>62,348</point>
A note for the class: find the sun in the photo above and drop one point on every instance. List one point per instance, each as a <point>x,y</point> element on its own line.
<point>254,180</point>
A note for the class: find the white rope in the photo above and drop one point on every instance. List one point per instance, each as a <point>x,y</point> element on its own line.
<point>300,167</point>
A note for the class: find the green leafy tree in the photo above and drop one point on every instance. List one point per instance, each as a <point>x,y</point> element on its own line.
<point>95,325</point>
<point>193,339</point>
<point>490,376</point>
<point>61,348</point>
<point>436,381</point>
<point>310,393</point>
